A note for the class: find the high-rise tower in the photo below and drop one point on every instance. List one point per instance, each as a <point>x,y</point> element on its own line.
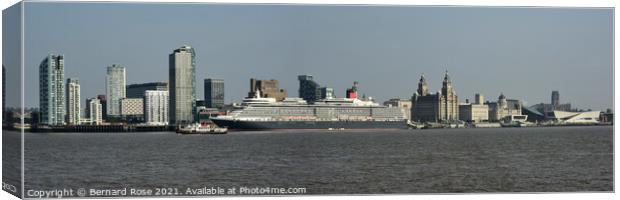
<point>115,89</point>
<point>182,85</point>
<point>52,90</point>
<point>73,101</point>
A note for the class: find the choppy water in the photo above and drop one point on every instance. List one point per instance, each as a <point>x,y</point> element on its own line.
<point>337,162</point>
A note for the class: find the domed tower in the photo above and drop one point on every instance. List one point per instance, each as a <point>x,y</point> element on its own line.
<point>422,86</point>
<point>502,103</point>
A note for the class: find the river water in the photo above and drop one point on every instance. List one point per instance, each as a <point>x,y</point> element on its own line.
<point>541,159</point>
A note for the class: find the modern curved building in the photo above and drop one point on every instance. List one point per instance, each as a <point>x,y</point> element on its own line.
<point>576,117</point>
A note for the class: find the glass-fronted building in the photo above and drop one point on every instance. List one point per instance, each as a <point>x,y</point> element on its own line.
<point>214,93</point>
<point>52,90</point>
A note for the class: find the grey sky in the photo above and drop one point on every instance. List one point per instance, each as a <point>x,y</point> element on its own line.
<point>523,52</point>
<point>11,54</point>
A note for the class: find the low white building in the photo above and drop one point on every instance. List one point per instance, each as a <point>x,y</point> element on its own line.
<point>474,112</point>
<point>576,117</point>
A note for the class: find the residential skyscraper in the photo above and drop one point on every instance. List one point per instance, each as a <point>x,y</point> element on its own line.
<point>182,82</point>
<point>214,93</point>
<point>52,90</point>
<point>137,90</point>
<point>73,101</point>
<point>115,89</point>
<point>156,107</point>
<point>308,88</point>
<point>94,110</point>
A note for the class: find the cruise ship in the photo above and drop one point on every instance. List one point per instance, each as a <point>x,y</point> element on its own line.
<point>258,113</point>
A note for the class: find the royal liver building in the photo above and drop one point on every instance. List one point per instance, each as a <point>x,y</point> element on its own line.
<point>440,107</point>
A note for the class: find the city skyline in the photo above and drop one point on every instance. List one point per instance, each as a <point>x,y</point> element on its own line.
<point>556,64</point>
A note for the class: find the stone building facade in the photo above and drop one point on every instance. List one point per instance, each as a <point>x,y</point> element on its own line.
<point>503,108</point>
<point>440,107</point>
<point>268,89</point>
<point>474,112</point>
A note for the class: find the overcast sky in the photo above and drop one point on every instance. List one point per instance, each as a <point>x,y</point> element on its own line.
<point>523,52</point>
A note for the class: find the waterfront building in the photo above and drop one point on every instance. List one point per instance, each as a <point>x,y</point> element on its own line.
<point>94,111</point>
<point>588,117</point>
<point>214,93</point>
<point>533,115</point>
<point>137,90</point>
<point>405,104</point>
<point>73,101</point>
<point>115,89</point>
<point>52,90</point>
<point>327,93</point>
<point>268,89</point>
<point>104,105</point>
<point>182,85</point>
<point>85,120</point>
<point>504,108</point>
<point>547,109</point>
<point>439,107</point>
<point>200,103</point>
<point>308,88</point>
<point>474,112</point>
<point>132,109</point>
<point>607,117</point>
<point>156,107</point>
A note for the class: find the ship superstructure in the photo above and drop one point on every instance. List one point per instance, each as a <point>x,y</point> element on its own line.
<point>295,113</point>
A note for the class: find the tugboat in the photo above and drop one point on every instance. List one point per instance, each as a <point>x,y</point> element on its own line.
<point>199,129</point>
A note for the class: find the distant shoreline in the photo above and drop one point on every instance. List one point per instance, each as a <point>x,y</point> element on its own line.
<point>138,129</point>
